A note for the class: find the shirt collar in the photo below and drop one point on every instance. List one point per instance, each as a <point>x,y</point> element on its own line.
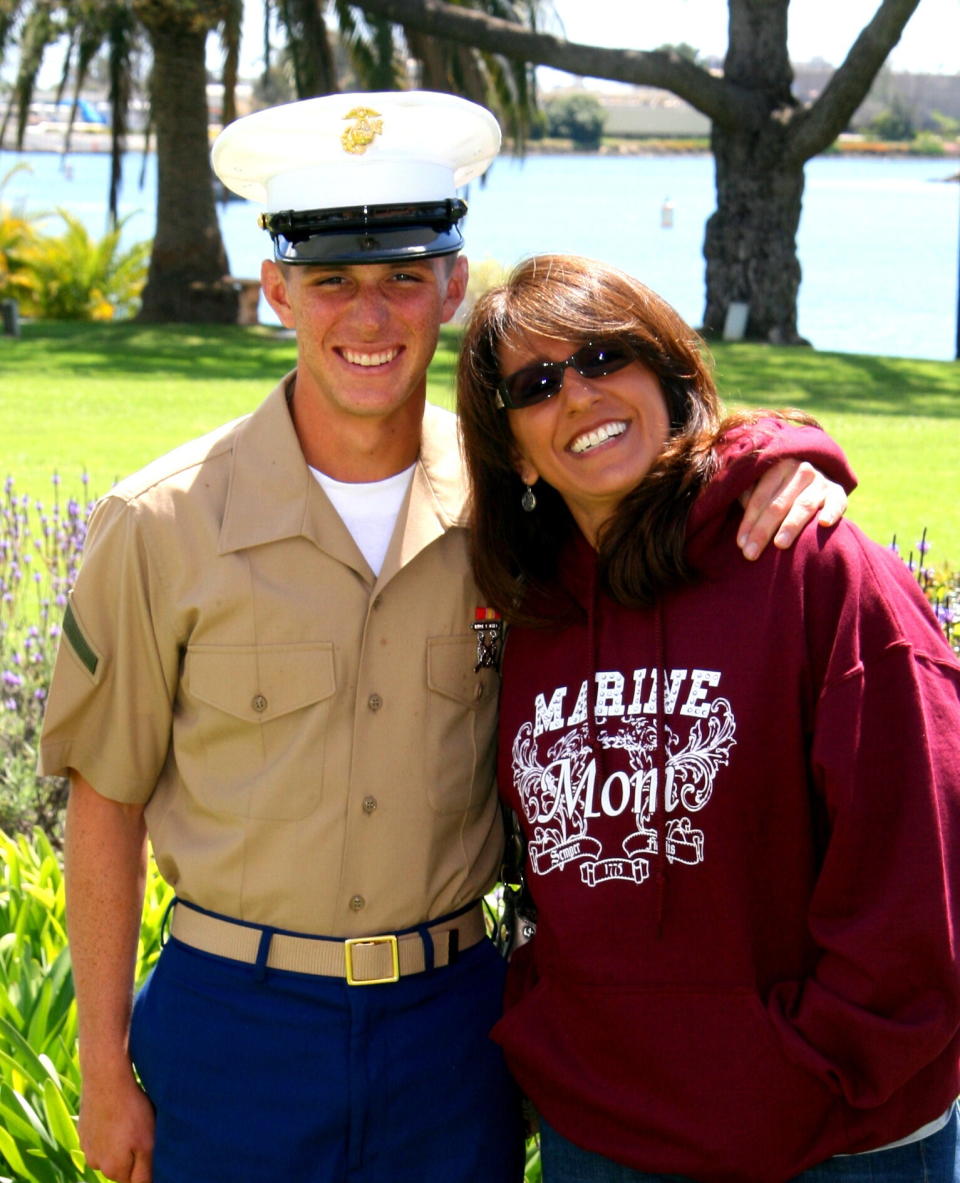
<point>268,469</point>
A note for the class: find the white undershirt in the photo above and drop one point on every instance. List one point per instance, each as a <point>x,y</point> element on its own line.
<point>369,510</point>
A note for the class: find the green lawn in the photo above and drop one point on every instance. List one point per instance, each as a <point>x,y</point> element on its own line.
<point>107,398</point>
<point>898,419</point>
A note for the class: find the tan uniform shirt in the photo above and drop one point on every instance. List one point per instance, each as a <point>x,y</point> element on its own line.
<point>313,744</point>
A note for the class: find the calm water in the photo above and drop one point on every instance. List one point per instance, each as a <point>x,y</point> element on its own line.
<point>878,239</point>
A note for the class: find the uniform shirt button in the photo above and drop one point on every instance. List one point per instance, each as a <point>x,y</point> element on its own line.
<point>358,903</point>
<point>369,804</point>
<point>478,691</point>
<point>259,703</point>
<point>374,702</point>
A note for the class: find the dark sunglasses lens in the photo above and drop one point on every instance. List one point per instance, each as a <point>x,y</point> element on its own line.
<point>534,384</point>
<point>594,361</point>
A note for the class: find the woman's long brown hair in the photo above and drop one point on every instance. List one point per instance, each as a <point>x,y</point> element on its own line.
<point>641,548</point>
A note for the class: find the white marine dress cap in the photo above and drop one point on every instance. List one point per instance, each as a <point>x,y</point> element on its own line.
<point>359,178</point>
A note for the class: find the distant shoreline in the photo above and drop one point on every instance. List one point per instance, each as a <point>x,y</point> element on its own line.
<point>700,146</point>
<point>85,141</point>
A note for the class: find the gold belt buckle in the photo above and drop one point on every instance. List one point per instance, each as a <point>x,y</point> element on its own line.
<point>350,945</point>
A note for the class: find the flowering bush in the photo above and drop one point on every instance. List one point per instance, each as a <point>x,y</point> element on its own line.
<point>941,587</point>
<point>40,549</point>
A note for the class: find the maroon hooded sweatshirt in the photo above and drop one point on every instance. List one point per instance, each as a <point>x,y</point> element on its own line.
<point>743,815</point>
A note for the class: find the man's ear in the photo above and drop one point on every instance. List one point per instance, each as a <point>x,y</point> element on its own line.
<point>456,288</point>
<point>273,284</point>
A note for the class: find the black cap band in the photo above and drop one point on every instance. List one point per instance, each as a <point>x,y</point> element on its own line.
<point>366,234</point>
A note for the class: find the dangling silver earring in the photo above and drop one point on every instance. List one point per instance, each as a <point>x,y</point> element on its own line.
<point>528,500</point>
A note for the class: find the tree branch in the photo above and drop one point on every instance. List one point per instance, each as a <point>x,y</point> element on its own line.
<point>720,100</point>
<point>818,126</point>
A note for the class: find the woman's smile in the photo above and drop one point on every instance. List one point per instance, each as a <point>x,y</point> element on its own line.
<point>597,436</point>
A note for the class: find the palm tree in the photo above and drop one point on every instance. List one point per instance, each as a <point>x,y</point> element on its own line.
<point>188,263</point>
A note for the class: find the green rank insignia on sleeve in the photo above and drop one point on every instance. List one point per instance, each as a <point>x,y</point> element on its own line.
<point>79,643</point>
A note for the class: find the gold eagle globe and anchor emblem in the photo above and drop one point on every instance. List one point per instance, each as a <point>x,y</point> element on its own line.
<point>360,135</point>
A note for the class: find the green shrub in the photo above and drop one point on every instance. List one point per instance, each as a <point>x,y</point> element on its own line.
<point>18,236</point>
<point>68,276</point>
<point>927,143</point>
<point>577,117</point>
<point>895,122</point>
<point>80,278</point>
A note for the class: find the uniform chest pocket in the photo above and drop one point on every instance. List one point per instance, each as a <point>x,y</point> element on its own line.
<point>460,724</point>
<point>251,727</point>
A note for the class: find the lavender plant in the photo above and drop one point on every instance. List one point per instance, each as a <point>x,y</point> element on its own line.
<point>40,545</point>
<point>941,586</point>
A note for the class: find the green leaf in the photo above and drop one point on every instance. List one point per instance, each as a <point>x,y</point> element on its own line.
<point>60,1121</point>
<point>9,1150</point>
<point>12,1119</point>
<point>15,1073</point>
<point>43,1135</point>
<point>44,1168</point>
<point>24,1054</point>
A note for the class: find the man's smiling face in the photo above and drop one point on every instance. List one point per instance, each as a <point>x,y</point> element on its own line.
<point>365,333</point>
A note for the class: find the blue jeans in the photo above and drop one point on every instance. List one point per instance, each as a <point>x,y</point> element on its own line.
<point>931,1160</point>
<point>288,1077</point>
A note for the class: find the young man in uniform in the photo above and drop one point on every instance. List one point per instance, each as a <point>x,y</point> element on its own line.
<point>269,665</point>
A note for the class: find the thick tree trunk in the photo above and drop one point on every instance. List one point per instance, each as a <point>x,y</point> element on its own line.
<point>189,263</point>
<point>751,240</point>
<point>750,243</point>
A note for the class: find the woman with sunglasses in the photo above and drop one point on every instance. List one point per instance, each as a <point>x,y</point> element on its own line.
<point>739,783</point>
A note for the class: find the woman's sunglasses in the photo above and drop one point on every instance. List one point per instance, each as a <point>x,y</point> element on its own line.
<point>544,379</point>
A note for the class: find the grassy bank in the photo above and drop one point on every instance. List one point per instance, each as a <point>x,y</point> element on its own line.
<point>898,419</point>
<point>107,398</point>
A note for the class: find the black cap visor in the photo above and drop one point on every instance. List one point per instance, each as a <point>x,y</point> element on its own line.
<point>366,234</point>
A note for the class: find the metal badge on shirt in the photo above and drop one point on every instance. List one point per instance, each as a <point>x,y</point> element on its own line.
<point>489,629</point>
